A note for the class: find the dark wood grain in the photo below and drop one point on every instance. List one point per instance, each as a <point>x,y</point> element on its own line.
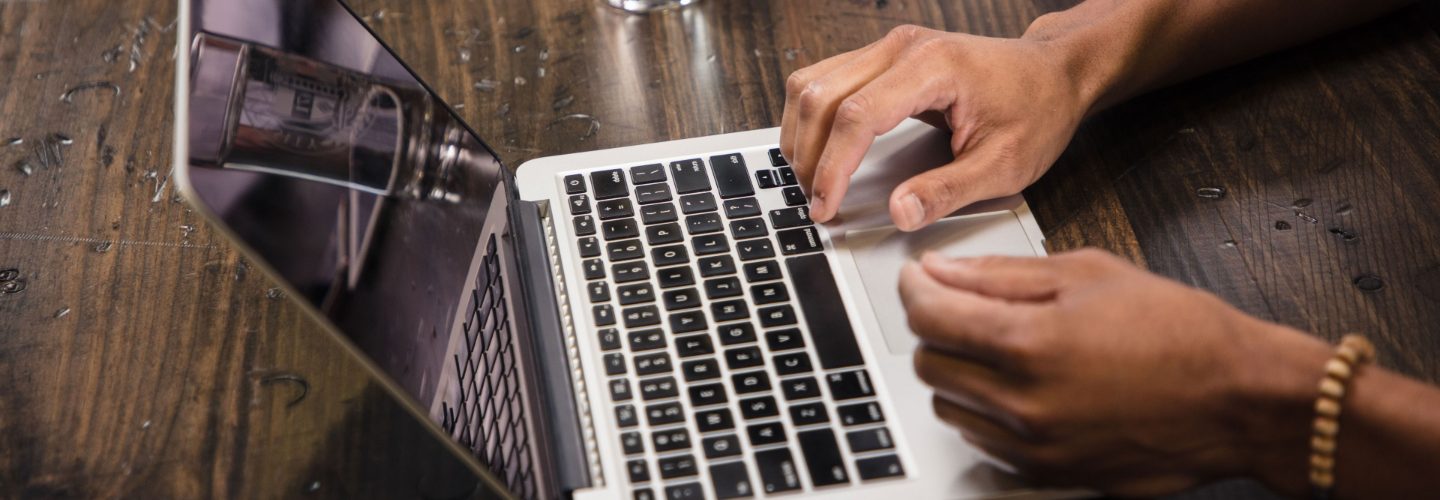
<point>142,359</point>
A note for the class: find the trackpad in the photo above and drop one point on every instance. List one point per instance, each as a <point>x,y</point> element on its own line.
<point>879,254</point>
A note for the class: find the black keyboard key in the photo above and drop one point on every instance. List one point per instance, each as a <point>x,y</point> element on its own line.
<point>579,204</point>
<point>766,433</point>
<point>687,491</point>
<point>757,408</point>
<point>767,179</point>
<point>774,316</point>
<point>718,265</point>
<point>620,229</point>
<point>690,176</point>
<point>624,250</point>
<point>650,364</point>
<point>615,364</point>
<point>620,390</point>
<point>756,272</point>
<point>793,363</point>
<point>574,184</point>
<point>869,440</point>
<point>879,467</point>
<point>647,340</point>
<point>786,176</point>
<point>707,394</point>
<point>710,244</point>
<point>769,293</point>
<point>776,159</point>
<point>664,413</point>
<point>860,413</point>
<point>719,288</point>
<point>849,385</point>
<point>654,193</point>
<point>630,271</point>
<point>609,339</point>
<point>702,369</point>
<point>663,234</point>
<point>743,357</point>
<point>736,333</point>
<point>688,321</point>
<point>694,345</point>
<point>794,197</point>
<point>669,255</point>
<point>615,209</point>
<point>639,316</point>
<point>822,457</point>
<point>625,416</point>
<point>639,470</point>
<point>671,277</point>
<point>684,298</point>
<point>604,315</point>
<point>584,225</point>
<point>635,294</point>
<point>658,213</point>
<point>609,184</point>
<point>753,227</point>
<point>730,480</point>
<point>741,208</point>
<point>646,174</point>
<point>722,446</point>
<point>589,247</point>
<point>778,471</point>
<point>732,177</point>
<point>755,249</point>
<point>599,291</point>
<point>703,223</point>
<point>800,388</point>
<point>658,388</point>
<point>632,442</point>
<point>781,340</point>
<point>729,310</point>
<point>798,241</point>
<point>697,203</point>
<point>678,466</point>
<point>825,312</point>
<point>809,413</point>
<point>674,439</point>
<point>594,269</point>
<point>746,383</point>
<point>718,419</point>
<point>790,217</point>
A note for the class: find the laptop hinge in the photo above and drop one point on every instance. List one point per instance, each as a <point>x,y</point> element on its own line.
<point>563,392</point>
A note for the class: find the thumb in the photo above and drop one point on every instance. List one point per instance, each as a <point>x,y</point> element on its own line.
<point>934,194</point>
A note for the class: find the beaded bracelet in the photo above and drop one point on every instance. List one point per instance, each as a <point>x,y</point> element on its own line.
<point>1352,352</point>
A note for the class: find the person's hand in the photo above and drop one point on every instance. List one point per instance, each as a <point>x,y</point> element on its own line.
<point>1012,105</point>
<point>1082,370</point>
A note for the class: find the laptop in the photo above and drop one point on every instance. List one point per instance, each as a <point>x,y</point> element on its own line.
<point>655,321</point>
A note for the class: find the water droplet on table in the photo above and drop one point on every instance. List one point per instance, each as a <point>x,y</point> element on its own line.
<point>1228,244</point>
<point>545,55</point>
<point>1307,217</point>
<point>519,48</point>
<point>104,246</point>
<point>62,312</point>
<point>13,286</point>
<point>562,102</point>
<point>1281,225</point>
<point>69,96</point>
<point>1302,203</point>
<point>486,85</point>
<point>62,139</point>
<point>1344,234</point>
<point>1344,209</point>
<point>9,274</point>
<point>1210,193</point>
<point>1369,283</point>
<point>25,167</point>
<point>464,54</point>
<point>520,80</point>
<point>4,197</point>
<point>313,487</point>
<point>791,53</point>
<point>274,294</point>
<point>14,141</point>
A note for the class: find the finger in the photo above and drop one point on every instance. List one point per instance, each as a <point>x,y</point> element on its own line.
<point>796,84</point>
<point>975,175</point>
<point>970,384</point>
<point>956,320</point>
<point>1003,277</point>
<point>875,109</point>
<point>990,436</point>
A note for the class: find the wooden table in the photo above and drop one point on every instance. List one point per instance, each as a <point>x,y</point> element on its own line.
<point>146,359</point>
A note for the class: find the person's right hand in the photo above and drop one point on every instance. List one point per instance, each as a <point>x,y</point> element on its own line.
<point>1012,104</point>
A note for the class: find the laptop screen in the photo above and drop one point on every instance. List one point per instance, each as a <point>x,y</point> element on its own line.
<point>325,156</point>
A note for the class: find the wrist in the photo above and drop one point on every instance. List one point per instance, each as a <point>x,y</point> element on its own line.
<point>1272,403</point>
<point>1093,63</point>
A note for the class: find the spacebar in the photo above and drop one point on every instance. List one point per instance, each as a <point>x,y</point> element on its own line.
<point>825,313</point>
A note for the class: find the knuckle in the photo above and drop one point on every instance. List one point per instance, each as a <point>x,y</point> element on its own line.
<point>854,110</point>
<point>797,81</point>
<point>1032,419</point>
<point>905,32</point>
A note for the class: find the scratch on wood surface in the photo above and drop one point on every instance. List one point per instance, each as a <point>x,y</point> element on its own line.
<point>46,238</point>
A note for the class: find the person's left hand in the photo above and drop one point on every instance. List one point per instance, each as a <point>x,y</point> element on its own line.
<point>1083,370</point>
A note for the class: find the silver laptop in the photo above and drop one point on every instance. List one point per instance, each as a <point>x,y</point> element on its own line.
<point>656,321</point>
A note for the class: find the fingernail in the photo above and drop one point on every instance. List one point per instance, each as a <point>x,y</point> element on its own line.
<point>912,213</point>
<point>817,206</point>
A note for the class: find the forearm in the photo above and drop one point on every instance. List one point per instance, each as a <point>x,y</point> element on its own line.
<point>1116,49</point>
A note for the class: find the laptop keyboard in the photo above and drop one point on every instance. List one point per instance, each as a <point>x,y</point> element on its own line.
<point>727,381</point>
